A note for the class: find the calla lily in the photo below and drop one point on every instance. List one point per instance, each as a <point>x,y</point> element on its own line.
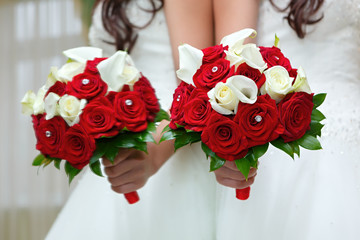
<point>225,97</point>
<point>278,83</point>
<point>52,77</point>
<point>83,54</point>
<point>28,102</point>
<point>69,70</point>
<point>39,101</point>
<point>117,72</point>
<point>244,88</point>
<point>190,60</point>
<point>301,84</point>
<point>253,58</point>
<point>237,39</point>
<point>50,105</point>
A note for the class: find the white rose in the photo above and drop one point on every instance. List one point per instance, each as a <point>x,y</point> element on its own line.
<point>301,84</point>
<point>278,83</point>
<point>28,103</point>
<point>225,97</point>
<point>70,109</point>
<point>190,60</point>
<point>222,99</point>
<point>239,53</point>
<point>51,105</point>
<point>69,70</point>
<point>117,71</point>
<point>39,101</point>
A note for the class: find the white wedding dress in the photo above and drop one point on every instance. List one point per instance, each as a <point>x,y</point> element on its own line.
<point>314,197</point>
<point>317,196</point>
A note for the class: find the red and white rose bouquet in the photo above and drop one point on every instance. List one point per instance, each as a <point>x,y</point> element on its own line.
<point>91,107</point>
<point>237,98</point>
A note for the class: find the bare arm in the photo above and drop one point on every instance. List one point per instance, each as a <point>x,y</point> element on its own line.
<point>233,15</point>
<point>191,22</point>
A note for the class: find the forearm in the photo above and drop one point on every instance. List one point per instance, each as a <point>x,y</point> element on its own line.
<point>234,15</point>
<point>191,22</point>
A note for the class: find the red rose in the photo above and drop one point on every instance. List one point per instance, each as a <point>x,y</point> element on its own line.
<point>197,110</point>
<point>223,136</point>
<point>147,93</point>
<point>49,134</point>
<point>213,53</point>
<point>252,73</point>
<point>295,115</point>
<point>86,86</point>
<point>259,122</point>
<point>98,119</point>
<point>180,98</point>
<point>211,73</point>
<point>273,56</point>
<point>77,147</point>
<point>91,65</point>
<point>130,109</point>
<point>58,88</point>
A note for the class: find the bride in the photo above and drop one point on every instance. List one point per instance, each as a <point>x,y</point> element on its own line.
<point>315,197</point>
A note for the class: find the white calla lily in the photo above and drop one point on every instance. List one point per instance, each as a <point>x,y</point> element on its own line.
<point>244,88</point>
<point>238,38</point>
<point>252,56</point>
<point>52,78</point>
<point>278,83</point>
<point>117,71</point>
<point>225,97</point>
<point>69,70</point>
<point>301,84</point>
<point>39,101</point>
<point>27,103</point>
<point>190,60</point>
<point>83,54</point>
<point>70,109</point>
<point>51,105</point>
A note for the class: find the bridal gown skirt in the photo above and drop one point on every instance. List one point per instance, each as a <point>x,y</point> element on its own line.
<point>176,203</point>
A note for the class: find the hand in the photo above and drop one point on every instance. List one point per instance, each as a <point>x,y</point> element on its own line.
<point>130,171</point>
<point>230,176</point>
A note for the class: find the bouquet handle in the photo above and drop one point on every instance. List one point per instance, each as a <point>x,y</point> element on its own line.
<point>243,194</point>
<point>132,197</point>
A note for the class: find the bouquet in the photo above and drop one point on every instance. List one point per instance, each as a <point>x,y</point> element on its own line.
<point>89,108</point>
<point>237,98</point>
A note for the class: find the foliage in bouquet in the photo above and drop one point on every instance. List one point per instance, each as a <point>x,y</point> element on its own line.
<point>237,98</point>
<point>91,107</point>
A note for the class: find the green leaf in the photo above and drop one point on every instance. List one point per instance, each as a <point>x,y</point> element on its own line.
<point>151,127</point>
<point>286,147</point>
<point>122,141</point>
<point>309,142</point>
<point>57,163</point>
<point>146,136</point>
<point>162,115</point>
<point>244,166</point>
<point>315,128</point>
<point>259,151</point>
<point>250,156</point>
<point>166,129</point>
<point>167,136</point>
<point>296,148</point>
<point>207,150</point>
<point>38,160</point>
<point>111,151</point>
<point>319,99</point>
<point>96,168</point>
<point>186,138</point>
<point>71,172</point>
<point>316,115</point>
<point>99,152</point>
<point>216,163</point>
<point>142,146</point>
<point>46,162</point>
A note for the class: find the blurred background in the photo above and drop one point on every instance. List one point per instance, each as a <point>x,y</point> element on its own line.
<point>33,34</point>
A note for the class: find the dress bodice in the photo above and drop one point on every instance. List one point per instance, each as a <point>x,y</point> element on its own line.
<point>152,51</point>
<point>330,56</point>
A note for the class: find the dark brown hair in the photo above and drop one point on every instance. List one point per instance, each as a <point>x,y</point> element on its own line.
<point>117,23</point>
<point>301,13</point>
